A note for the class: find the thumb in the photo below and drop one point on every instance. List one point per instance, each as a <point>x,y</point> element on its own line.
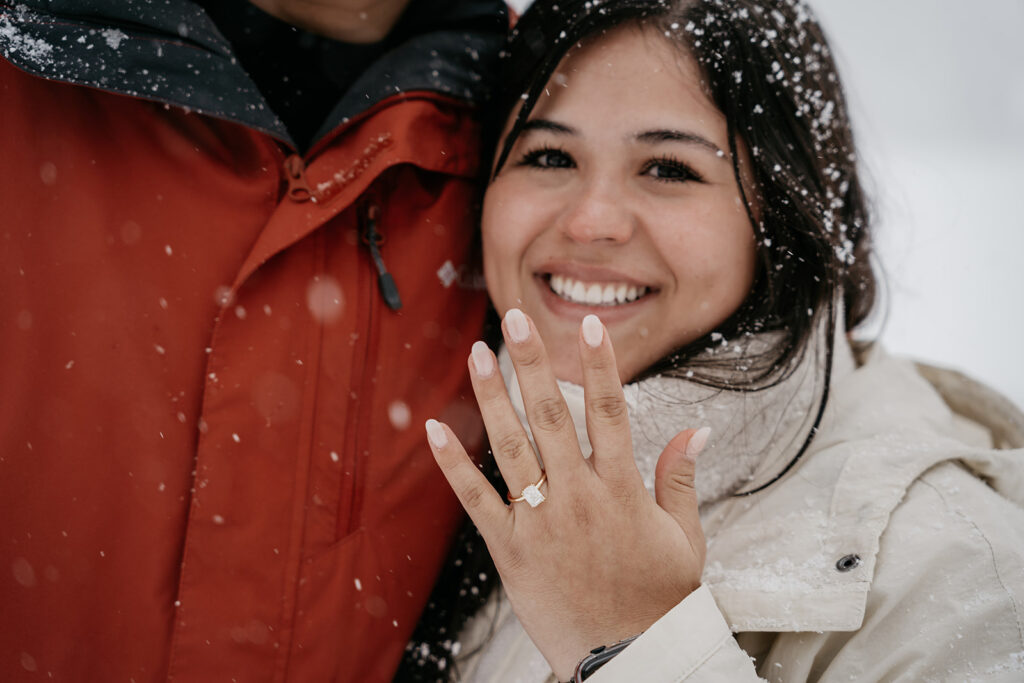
<point>674,480</point>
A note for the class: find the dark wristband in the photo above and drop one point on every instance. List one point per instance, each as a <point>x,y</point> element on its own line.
<point>598,657</point>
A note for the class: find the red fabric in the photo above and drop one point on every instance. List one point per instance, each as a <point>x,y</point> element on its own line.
<point>212,462</point>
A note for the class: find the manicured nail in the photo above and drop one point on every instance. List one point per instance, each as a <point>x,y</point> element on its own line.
<point>697,442</point>
<point>483,361</point>
<point>593,331</point>
<point>517,326</point>
<point>436,434</point>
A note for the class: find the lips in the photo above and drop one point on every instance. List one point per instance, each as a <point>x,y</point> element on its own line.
<point>591,293</point>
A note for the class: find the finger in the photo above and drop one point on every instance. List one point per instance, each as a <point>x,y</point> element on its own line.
<point>674,482</point>
<point>512,450</point>
<point>549,418</point>
<point>607,415</point>
<point>478,497</point>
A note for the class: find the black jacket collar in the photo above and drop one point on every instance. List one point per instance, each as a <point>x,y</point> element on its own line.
<point>170,51</point>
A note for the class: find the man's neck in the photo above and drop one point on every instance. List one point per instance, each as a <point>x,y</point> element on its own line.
<point>349,21</point>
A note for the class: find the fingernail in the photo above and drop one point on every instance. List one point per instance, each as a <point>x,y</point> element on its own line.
<point>483,361</point>
<point>593,331</point>
<point>697,442</point>
<point>517,326</point>
<point>436,434</point>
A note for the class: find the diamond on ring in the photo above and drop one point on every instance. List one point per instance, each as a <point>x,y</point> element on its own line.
<point>531,494</point>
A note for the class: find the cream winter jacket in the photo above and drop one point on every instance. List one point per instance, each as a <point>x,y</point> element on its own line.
<point>894,551</point>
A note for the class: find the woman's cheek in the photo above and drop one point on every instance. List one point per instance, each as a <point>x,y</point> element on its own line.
<point>499,264</point>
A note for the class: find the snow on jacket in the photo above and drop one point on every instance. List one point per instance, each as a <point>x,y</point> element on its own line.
<point>894,551</point>
<point>209,462</point>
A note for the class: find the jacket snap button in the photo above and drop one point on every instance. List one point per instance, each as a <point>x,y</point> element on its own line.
<point>848,562</point>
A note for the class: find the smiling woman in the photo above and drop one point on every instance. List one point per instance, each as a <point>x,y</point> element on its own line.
<point>618,199</point>
<point>765,76</point>
<point>675,206</point>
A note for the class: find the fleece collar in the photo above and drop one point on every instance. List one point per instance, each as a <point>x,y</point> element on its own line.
<point>753,433</point>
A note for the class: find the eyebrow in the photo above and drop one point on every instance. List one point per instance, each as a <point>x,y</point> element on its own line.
<point>649,137</point>
<point>654,136</point>
<point>547,125</point>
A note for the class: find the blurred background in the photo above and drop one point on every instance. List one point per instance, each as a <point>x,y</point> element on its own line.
<point>936,92</point>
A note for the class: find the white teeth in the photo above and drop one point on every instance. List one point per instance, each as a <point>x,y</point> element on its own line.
<point>595,294</point>
<point>608,294</point>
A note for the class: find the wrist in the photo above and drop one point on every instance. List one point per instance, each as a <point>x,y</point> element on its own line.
<point>577,647</point>
<point>597,634</point>
<point>598,657</point>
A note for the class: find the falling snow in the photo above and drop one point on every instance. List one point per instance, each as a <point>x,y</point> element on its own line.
<point>324,299</point>
<point>399,415</point>
<point>113,37</point>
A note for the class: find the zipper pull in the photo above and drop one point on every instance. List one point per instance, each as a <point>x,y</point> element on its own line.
<point>298,188</point>
<point>373,239</point>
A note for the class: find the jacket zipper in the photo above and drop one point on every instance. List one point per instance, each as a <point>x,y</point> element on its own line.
<point>367,214</point>
<point>349,519</point>
<point>298,187</point>
<point>300,191</point>
<point>373,240</point>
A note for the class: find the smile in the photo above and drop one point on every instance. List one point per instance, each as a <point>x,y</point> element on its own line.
<point>595,293</point>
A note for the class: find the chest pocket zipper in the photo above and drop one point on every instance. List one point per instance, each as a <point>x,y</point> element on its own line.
<point>373,239</point>
<point>300,191</point>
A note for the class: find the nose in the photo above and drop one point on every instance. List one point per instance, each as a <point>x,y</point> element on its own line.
<point>600,214</point>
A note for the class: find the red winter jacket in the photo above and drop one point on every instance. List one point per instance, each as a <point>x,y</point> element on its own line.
<point>212,463</point>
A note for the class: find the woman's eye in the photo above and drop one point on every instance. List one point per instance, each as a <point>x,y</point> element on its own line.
<point>547,158</point>
<point>670,170</point>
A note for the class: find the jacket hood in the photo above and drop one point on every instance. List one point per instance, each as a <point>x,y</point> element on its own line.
<point>971,400</point>
<point>171,52</point>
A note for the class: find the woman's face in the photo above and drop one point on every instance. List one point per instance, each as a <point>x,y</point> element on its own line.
<point>619,199</point>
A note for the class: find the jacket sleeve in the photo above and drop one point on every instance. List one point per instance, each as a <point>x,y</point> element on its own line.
<point>690,643</point>
<point>946,604</point>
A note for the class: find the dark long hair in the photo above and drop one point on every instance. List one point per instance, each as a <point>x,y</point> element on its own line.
<point>768,68</point>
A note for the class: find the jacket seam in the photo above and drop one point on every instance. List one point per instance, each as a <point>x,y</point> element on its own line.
<point>991,555</point>
<point>190,516</point>
<point>361,358</point>
<point>300,491</point>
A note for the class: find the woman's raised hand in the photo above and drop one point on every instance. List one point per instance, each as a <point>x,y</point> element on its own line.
<point>597,560</point>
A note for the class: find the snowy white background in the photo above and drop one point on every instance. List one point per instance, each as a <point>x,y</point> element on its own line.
<point>936,92</point>
<point>937,97</point>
